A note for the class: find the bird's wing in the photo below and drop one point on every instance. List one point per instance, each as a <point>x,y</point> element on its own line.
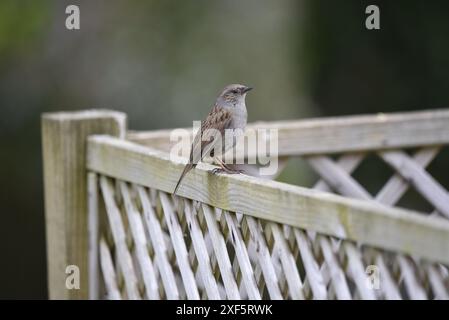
<point>219,119</point>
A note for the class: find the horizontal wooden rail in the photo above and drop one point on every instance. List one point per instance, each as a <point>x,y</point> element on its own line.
<point>340,134</point>
<point>366,222</point>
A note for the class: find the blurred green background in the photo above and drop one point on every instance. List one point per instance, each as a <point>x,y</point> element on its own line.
<point>163,63</point>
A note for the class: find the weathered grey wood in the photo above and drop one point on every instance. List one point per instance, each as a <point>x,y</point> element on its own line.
<point>364,221</point>
<point>221,254</point>
<point>337,275</point>
<point>387,284</point>
<point>337,178</point>
<point>93,229</point>
<point>264,258</point>
<point>410,172</point>
<point>420,179</point>
<point>109,276</point>
<point>348,162</point>
<point>118,233</point>
<point>242,257</point>
<point>276,262</point>
<point>357,271</point>
<point>179,246</point>
<point>254,170</point>
<point>313,273</point>
<point>390,193</point>
<point>65,183</point>
<point>140,244</point>
<point>341,181</point>
<point>159,245</point>
<point>414,288</point>
<point>341,134</point>
<point>437,283</point>
<point>199,246</point>
<point>396,186</point>
<point>287,261</point>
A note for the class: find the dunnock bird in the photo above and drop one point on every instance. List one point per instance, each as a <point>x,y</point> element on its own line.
<point>229,112</point>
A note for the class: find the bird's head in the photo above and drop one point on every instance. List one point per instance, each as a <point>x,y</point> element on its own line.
<point>234,94</point>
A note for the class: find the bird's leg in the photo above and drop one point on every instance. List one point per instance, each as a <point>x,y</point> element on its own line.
<point>221,169</point>
<point>224,168</point>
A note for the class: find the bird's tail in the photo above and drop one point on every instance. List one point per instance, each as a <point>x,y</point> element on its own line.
<point>187,168</point>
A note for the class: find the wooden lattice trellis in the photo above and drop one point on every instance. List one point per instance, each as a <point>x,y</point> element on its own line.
<point>240,237</point>
<point>208,253</point>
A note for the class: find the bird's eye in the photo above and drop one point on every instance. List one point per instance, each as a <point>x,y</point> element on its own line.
<point>234,91</point>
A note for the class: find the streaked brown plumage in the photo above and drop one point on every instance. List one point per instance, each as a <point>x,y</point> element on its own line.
<point>229,112</point>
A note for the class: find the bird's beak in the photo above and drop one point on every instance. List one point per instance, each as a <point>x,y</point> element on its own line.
<point>246,89</point>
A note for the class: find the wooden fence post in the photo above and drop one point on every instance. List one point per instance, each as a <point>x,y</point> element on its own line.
<point>65,183</point>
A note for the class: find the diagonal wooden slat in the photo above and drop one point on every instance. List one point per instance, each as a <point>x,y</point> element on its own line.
<point>357,271</point>
<point>396,186</point>
<point>389,287</point>
<point>414,288</point>
<point>242,257</point>
<point>354,190</point>
<point>336,177</point>
<point>336,273</point>
<point>159,246</point>
<point>228,236</point>
<point>391,192</point>
<point>118,233</point>
<point>420,179</point>
<point>275,262</point>
<point>140,243</point>
<point>107,269</point>
<point>199,246</point>
<point>221,254</point>
<point>179,246</point>
<point>436,282</point>
<point>93,230</point>
<point>348,162</point>
<point>313,273</point>
<point>288,264</point>
<point>264,258</point>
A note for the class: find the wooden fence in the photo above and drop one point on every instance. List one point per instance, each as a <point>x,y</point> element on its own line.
<point>109,211</point>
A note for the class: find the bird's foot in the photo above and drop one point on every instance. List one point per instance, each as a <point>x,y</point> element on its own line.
<point>228,171</point>
<point>217,171</point>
